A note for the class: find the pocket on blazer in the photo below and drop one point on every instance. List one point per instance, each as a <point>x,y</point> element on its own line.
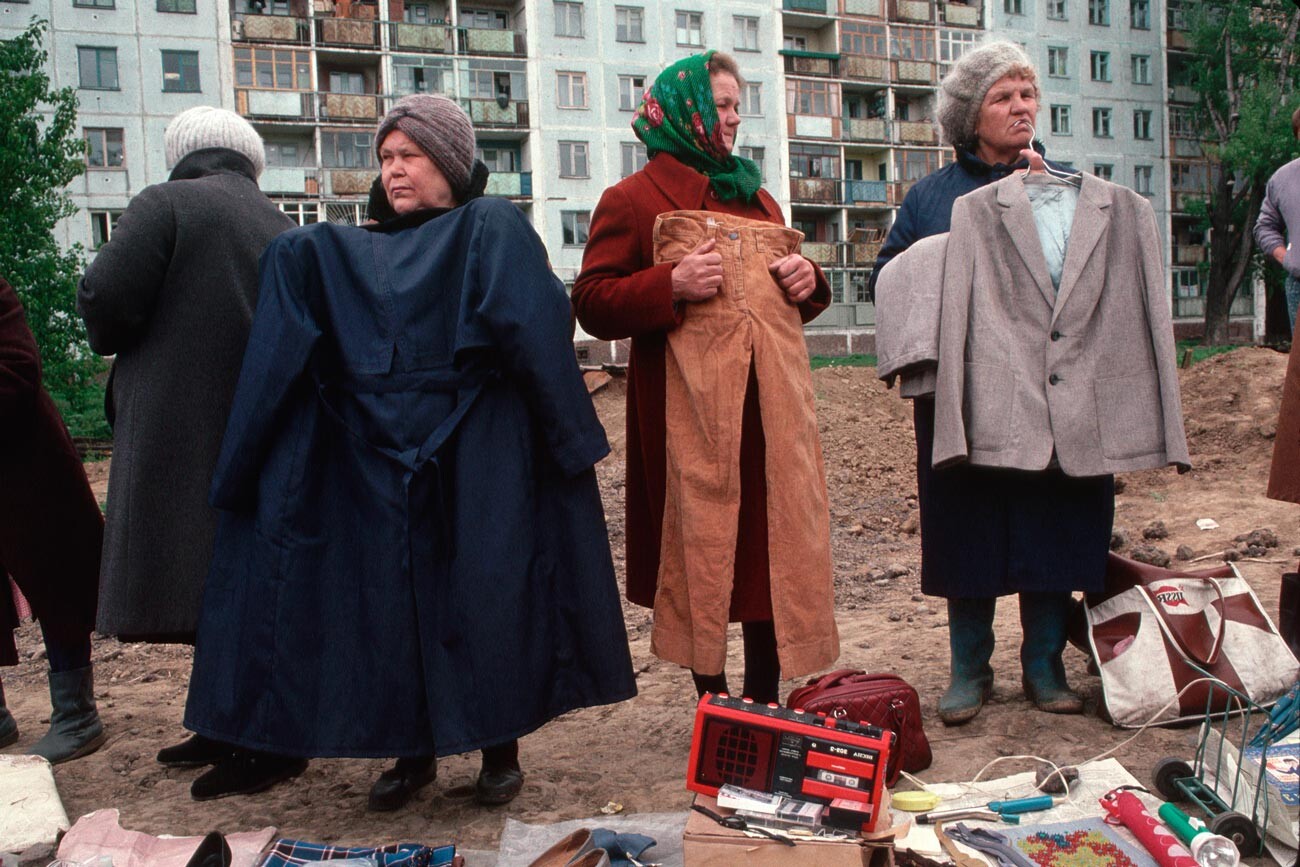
<point>1128,415</point>
<point>987,405</point>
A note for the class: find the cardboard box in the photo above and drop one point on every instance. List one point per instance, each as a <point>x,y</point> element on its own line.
<point>708,844</point>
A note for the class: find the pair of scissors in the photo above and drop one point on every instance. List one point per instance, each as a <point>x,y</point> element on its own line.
<point>736,823</point>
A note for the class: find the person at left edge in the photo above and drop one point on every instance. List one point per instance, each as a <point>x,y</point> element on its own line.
<point>412,559</point>
<point>171,295</point>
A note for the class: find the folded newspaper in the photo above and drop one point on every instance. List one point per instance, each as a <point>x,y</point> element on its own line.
<point>1236,776</point>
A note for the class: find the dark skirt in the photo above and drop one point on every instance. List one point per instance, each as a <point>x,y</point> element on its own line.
<point>989,531</point>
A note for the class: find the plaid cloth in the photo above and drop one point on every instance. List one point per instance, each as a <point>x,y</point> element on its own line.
<point>294,853</point>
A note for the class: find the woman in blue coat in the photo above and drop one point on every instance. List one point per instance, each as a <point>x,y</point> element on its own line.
<point>412,559</point>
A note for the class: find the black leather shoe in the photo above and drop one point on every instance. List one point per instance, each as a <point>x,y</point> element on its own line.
<point>245,772</point>
<point>396,785</point>
<point>194,752</point>
<point>498,786</point>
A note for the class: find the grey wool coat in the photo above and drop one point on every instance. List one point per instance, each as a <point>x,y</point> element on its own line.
<point>172,295</point>
<point>1084,373</point>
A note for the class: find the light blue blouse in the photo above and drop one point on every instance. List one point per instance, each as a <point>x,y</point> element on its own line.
<point>1053,201</point>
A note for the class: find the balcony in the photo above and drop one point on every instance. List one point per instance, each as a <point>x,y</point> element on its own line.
<point>817,7</point>
<point>344,107</point>
<point>510,185</point>
<point>491,113</point>
<point>843,254</point>
<point>286,105</point>
<point>868,129</point>
<point>864,68</point>
<point>916,132</point>
<point>347,32</point>
<point>473,40</point>
<point>961,15</point>
<point>913,11</point>
<point>348,182</point>
<point>812,126</point>
<point>815,191</point>
<point>1182,199</point>
<point>821,252</point>
<point>431,38</point>
<point>1189,296</point>
<point>277,180</point>
<point>866,193</point>
<point>810,63</point>
<point>271,28</point>
<point>865,8</point>
<point>915,71</point>
<point>1190,254</point>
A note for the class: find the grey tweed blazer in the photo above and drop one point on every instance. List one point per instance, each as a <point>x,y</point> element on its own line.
<point>1026,372</point>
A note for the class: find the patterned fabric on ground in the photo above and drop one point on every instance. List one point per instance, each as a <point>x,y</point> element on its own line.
<point>1083,843</point>
<point>293,853</point>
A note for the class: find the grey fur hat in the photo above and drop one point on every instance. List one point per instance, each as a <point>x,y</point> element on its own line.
<point>205,126</point>
<point>442,130</point>
<point>961,93</point>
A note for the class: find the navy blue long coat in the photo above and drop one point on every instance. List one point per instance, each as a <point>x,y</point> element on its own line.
<point>413,556</point>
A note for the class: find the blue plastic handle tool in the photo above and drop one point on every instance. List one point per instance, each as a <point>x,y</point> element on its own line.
<point>1023,805</point>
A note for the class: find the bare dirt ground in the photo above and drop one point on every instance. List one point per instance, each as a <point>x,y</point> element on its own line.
<point>635,753</point>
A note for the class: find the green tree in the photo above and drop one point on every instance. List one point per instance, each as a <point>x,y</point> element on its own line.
<point>1243,68</point>
<point>40,154</point>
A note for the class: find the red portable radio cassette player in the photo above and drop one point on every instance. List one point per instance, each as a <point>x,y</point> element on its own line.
<point>768,748</point>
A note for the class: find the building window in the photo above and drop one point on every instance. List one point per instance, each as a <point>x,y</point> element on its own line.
<point>1105,171</point>
<point>484,19</point>
<point>568,19</point>
<point>302,213</point>
<point>751,99</point>
<point>1101,122</point>
<point>1058,62</point>
<point>1140,14</point>
<point>346,150</point>
<point>415,13</point>
<point>574,225</point>
<point>573,160</point>
<point>94,4</point>
<point>690,28</point>
<point>284,154</point>
<point>97,68</point>
<point>1141,69</point>
<point>1142,180</point>
<point>347,82</point>
<point>105,147</point>
<point>272,69</point>
<point>499,158</point>
<point>102,224</point>
<point>572,89</point>
<point>1100,62</point>
<point>1060,120</point>
<point>1013,7</point>
<point>1142,125</point>
<point>755,154</point>
<point>630,89</point>
<point>418,79</point>
<point>1099,12</point>
<point>746,33</point>
<point>185,7</point>
<point>817,98</point>
<point>814,161</point>
<point>1056,10</point>
<point>180,71</point>
<point>952,45</point>
<point>634,157</point>
<point>629,24</point>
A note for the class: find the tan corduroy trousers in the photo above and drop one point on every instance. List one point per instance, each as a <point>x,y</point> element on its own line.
<point>708,358</point>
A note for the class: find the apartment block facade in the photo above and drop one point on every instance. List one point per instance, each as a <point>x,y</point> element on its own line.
<point>838,106</point>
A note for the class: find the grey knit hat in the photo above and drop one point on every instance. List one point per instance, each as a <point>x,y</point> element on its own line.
<point>205,126</point>
<point>961,93</point>
<point>441,129</point>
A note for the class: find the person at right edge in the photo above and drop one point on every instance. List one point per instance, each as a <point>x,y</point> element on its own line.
<point>985,532</point>
<point>1284,484</point>
<point>727,517</point>
<point>1279,221</point>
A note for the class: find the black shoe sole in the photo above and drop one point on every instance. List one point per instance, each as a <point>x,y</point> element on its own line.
<point>495,796</point>
<point>261,785</point>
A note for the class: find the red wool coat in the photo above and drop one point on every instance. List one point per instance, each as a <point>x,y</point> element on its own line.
<point>621,293</point>
<point>50,526</point>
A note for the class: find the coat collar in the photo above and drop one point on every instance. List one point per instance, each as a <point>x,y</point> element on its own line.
<point>213,161</point>
<point>688,190</point>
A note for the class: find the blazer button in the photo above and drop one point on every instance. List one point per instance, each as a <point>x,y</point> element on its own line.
<point>1056,335</point>
<point>1053,379</point>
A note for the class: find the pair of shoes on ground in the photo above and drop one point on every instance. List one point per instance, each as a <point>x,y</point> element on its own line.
<point>396,786</point>
<point>75,728</point>
<point>235,771</point>
<point>575,850</point>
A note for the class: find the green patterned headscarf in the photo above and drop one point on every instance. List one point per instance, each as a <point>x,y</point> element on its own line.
<point>677,117</point>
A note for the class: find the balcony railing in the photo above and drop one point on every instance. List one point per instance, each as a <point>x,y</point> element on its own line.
<point>1189,300</point>
<point>473,40</point>
<point>841,254</point>
<point>435,38</point>
<point>275,104</point>
<point>864,68</point>
<point>347,32</point>
<point>271,28</point>
<point>816,191</point>
<point>960,15</point>
<point>913,11</point>
<point>511,185</point>
<point>868,8</point>
<point>808,63</point>
<point>869,129</point>
<point>815,6</point>
<point>1184,94</point>
<point>492,113</point>
<point>916,132</point>
<point>276,180</point>
<point>1182,199</point>
<point>348,182</point>
<point>858,192</point>
<point>345,107</point>
<point>914,71</point>
<point>1189,254</point>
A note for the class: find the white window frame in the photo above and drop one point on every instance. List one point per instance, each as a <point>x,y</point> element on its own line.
<point>1061,120</point>
<point>1099,13</point>
<point>571,89</point>
<point>567,14</point>
<point>630,92</point>
<point>632,157</point>
<point>1142,180</point>
<point>690,28</point>
<point>1058,10</point>
<point>751,99</point>
<point>1058,61</point>
<point>575,159</point>
<point>745,31</point>
<point>1105,171</point>
<point>630,20</point>
<point>1099,65</point>
<point>1142,124</point>
<point>575,228</point>
<point>102,223</point>
<point>1102,116</point>
<point>1142,63</point>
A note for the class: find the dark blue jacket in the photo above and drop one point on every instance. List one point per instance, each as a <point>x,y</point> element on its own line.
<point>413,555</point>
<point>927,207</point>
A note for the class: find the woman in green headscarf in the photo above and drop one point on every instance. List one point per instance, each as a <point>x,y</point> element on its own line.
<point>688,120</point>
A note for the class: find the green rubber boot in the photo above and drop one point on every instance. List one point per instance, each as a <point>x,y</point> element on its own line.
<point>970,645</point>
<point>75,729</point>
<point>8,726</point>
<point>1043,617</point>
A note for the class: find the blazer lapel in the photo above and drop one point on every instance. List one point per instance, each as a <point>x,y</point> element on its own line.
<point>1018,218</point>
<point>681,185</point>
<point>1091,217</point>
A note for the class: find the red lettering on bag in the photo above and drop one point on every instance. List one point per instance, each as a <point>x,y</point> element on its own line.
<point>1171,597</point>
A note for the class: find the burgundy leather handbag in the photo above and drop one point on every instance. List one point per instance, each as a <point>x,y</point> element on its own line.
<point>884,700</point>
